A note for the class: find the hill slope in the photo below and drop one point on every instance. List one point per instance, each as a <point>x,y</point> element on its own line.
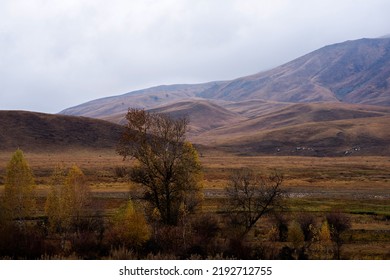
<point>105,108</point>
<point>32,131</point>
<point>203,115</point>
<point>366,136</point>
<point>308,129</point>
<point>353,72</point>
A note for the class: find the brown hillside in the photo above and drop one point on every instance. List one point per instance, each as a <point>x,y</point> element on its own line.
<point>327,129</point>
<point>203,115</point>
<point>255,107</point>
<point>294,114</point>
<point>115,106</point>
<point>367,136</point>
<point>32,131</point>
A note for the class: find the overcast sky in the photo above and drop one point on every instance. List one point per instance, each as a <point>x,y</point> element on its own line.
<point>55,53</point>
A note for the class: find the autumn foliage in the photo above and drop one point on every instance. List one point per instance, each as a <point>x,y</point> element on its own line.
<point>18,199</point>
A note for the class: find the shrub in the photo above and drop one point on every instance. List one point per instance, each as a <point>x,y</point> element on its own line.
<point>307,223</point>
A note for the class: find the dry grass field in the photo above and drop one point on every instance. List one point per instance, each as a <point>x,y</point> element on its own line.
<point>357,186</point>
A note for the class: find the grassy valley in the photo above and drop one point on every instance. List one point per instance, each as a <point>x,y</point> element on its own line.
<point>356,186</point>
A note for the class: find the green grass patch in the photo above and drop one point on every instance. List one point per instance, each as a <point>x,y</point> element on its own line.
<point>353,206</point>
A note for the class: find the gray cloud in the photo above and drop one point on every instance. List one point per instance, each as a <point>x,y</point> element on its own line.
<point>55,54</point>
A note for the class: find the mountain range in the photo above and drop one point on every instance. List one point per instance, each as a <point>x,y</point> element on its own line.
<point>350,72</point>
<point>332,101</point>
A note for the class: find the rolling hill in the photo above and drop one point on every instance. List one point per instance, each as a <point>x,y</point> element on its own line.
<point>333,138</point>
<point>107,107</point>
<point>203,115</point>
<point>32,131</point>
<point>316,129</point>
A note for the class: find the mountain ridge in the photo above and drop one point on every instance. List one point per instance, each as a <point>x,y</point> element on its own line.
<point>355,71</point>
<point>146,98</point>
<point>326,75</point>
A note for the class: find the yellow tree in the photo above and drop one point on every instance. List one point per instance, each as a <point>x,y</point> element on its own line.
<point>295,235</point>
<point>322,248</point>
<point>324,233</point>
<point>296,238</point>
<point>52,206</point>
<point>75,195</point>
<point>129,227</point>
<point>67,201</point>
<point>19,197</point>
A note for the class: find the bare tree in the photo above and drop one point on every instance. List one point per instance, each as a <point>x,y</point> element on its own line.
<point>250,196</point>
<point>338,224</point>
<point>166,164</point>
